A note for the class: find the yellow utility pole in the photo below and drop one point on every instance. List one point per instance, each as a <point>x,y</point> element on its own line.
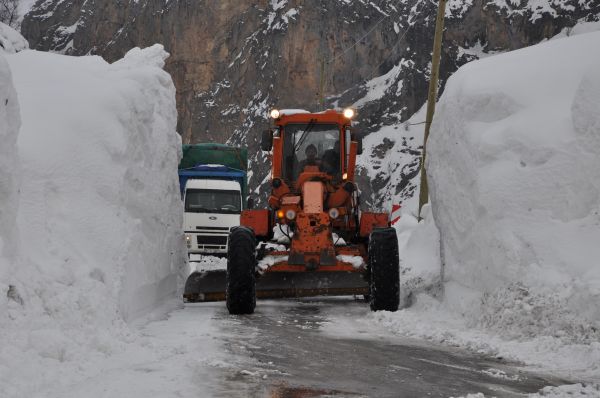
<point>432,97</point>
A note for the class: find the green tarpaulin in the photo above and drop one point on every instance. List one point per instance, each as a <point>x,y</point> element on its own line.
<point>236,158</point>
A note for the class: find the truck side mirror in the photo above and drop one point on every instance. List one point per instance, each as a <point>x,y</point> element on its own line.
<point>266,143</point>
<point>359,148</point>
<point>250,204</point>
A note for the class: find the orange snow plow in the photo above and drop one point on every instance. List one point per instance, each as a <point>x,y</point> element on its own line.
<point>312,239</point>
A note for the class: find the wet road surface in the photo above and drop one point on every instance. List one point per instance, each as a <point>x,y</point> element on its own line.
<point>288,348</point>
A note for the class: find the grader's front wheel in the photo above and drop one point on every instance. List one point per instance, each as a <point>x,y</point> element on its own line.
<point>241,267</point>
<point>384,270</point>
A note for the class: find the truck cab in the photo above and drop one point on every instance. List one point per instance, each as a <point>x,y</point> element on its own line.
<point>214,188</point>
<point>211,208</point>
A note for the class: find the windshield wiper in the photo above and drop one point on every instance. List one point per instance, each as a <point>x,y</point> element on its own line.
<point>304,135</point>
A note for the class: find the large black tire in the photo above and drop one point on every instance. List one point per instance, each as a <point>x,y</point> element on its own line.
<point>241,269</point>
<point>384,267</point>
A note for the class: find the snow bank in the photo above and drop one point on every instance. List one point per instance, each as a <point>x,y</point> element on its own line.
<point>99,213</point>
<point>419,250</point>
<point>9,128</point>
<point>514,171</point>
<point>514,174</point>
<point>11,41</point>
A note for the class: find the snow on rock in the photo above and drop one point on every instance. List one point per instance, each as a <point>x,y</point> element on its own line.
<point>24,7</point>
<point>99,212</point>
<point>578,390</point>
<point>566,391</point>
<point>514,171</point>
<point>537,9</point>
<point>390,161</point>
<point>11,41</point>
<point>579,28</point>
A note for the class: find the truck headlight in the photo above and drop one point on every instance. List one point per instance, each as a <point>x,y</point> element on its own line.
<point>275,114</point>
<point>349,113</point>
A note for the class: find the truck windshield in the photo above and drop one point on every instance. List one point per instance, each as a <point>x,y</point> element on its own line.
<point>212,201</point>
<point>311,144</point>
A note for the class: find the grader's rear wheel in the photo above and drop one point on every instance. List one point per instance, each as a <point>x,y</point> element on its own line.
<point>384,270</point>
<point>241,268</point>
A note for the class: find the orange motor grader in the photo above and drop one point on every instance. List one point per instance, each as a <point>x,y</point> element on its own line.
<point>324,244</point>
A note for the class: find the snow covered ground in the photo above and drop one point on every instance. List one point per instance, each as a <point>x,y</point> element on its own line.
<point>513,170</point>
<point>90,223</point>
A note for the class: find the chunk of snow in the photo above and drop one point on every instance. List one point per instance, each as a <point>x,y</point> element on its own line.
<point>292,111</point>
<point>11,41</point>
<point>269,260</point>
<point>578,390</point>
<point>356,261</point>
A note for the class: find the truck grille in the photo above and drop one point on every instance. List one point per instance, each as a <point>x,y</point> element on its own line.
<point>212,240</point>
<point>213,228</point>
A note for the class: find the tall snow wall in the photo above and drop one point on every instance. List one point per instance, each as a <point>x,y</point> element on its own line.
<point>9,128</point>
<point>514,170</point>
<point>99,217</point>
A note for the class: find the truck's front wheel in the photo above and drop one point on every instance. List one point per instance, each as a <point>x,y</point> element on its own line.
<point>384,267</point>
<point>241,268</point>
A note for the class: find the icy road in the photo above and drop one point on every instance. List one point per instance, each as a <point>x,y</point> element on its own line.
<point>289,348</point>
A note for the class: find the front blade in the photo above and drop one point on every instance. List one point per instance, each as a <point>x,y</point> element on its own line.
<point>210,285</point>
<point>307,284</point>
<point>205,286</point>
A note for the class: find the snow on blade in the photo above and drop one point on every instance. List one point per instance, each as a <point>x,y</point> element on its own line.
<point>292,111</point>
<point>356,261</point>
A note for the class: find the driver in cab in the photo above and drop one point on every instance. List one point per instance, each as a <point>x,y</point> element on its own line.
<point>311,157</point>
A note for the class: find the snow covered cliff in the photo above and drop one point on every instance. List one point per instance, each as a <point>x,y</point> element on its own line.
<point>98,234</point>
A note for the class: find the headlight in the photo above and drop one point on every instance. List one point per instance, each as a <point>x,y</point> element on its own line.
<point>290,214</point>
<point>334,213</point>
<point>275,114</point>
<point>349,113</point>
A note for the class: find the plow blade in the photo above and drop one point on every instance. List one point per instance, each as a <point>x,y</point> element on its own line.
<point>210,285</point>
<point>205,286</point>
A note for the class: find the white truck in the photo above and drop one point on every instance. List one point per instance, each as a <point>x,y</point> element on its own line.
<point>212,179</point>
<point>212,207</point>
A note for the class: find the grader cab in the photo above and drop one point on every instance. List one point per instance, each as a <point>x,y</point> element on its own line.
<point>324,244</point>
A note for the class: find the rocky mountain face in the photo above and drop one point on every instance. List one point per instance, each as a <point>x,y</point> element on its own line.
<point>234,60</point>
